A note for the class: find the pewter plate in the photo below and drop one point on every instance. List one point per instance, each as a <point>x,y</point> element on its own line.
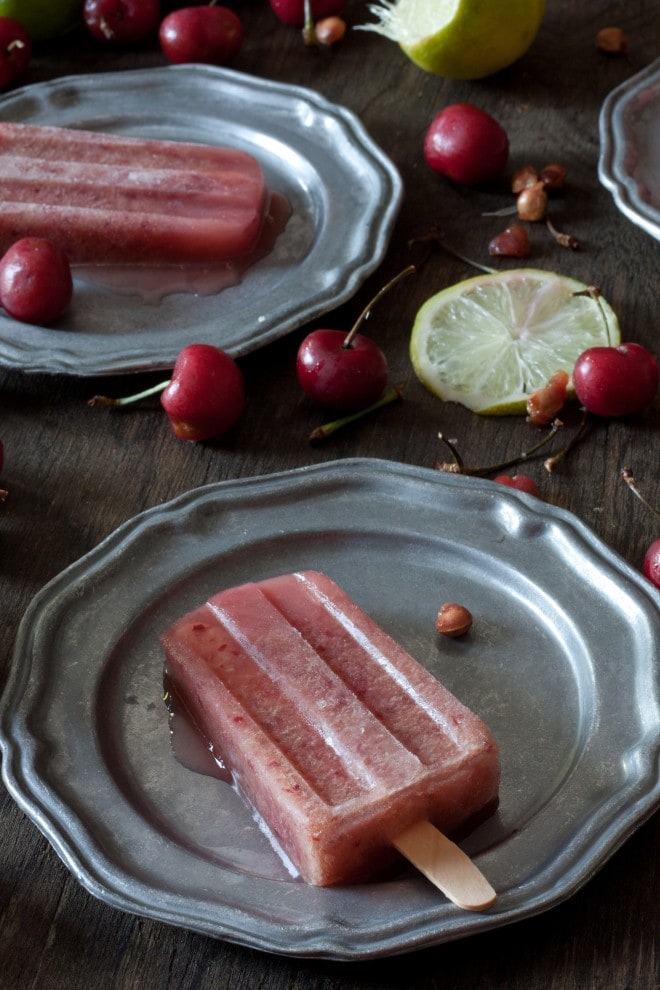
<point>629,164</point>
<point>561,662</point>
<point>343,192</point>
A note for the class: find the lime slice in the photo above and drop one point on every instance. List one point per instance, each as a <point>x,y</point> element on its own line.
<point>460,39</point>
<point>490,341</point>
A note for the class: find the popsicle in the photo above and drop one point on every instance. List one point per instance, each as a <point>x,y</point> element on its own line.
<point>112,199</point>
<point>343,743</point>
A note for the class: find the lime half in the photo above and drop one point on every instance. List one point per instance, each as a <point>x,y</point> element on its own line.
<point>43,19</point>
<point>460,39</point>
<point>490,341</point>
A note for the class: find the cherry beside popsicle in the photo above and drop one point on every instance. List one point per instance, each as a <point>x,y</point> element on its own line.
<point>343,744</point>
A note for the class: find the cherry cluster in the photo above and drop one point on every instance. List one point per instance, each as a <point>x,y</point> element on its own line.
<point>348,372</point>
<point>210,33</point>
<point>532,190</point>
<point>466,145</point>
<point>207,33</point>
<point>205,397</point>
<point>610,383</point>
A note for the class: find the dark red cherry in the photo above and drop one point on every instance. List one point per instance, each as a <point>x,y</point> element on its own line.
<point>207,34</point>
<point>466,144</point>
<point>616,381</point>
<point>205,396</point>
<point>35,281</point>
<point>339,377</point>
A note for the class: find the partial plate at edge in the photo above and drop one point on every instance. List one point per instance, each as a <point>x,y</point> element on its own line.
<point>561,663</point>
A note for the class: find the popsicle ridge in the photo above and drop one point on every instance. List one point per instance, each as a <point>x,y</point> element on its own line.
<point>224,670</point>
<point>135,190</point>
<point>373,755</point>
<point>68,144</point>
<point>402,693</point>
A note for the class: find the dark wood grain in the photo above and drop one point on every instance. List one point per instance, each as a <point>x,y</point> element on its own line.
<point>76,473</point>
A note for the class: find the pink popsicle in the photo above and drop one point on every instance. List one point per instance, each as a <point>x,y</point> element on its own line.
<point>113,199</point>
<point>336,735</point>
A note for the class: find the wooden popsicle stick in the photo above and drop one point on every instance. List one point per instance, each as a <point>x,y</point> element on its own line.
<point>446,866</point>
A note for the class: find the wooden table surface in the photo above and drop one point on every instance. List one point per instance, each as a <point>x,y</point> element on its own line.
<point>74,474</point>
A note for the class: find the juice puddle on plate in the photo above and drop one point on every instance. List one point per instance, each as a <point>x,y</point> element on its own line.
<point>153,282</point>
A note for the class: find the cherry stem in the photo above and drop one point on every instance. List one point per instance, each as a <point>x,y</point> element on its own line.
<point>321,432</point>
<point>594,293</point>
<point>127,400</point>
<point>551,463</point>
<point>458,467</point>
<point>506,211</point>
<point>564,240</point>
<point>309,28</point>
<point>350,336</point>
<point>629,478</point>
<point>434,236</point>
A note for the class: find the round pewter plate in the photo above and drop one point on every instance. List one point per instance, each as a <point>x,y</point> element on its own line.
<point>629,164</point>
<point>561,663</point>
<point>343,192</point>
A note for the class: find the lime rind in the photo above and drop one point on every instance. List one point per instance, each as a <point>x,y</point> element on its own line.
<point>459,39</point>
<point>490,341</point>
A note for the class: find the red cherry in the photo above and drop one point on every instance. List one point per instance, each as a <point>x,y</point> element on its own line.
<point>616,381</point>
<point>466,144</point>
<point>522,482</point>
<point>346,372</point>
<point>292,12</point>
<point>205,395</point>
<point>652,563</point>
<point>15,51</point>
<point>35,281</point>
<point>212,35</point>
<point>121,21</point>
<point>341,378</point>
